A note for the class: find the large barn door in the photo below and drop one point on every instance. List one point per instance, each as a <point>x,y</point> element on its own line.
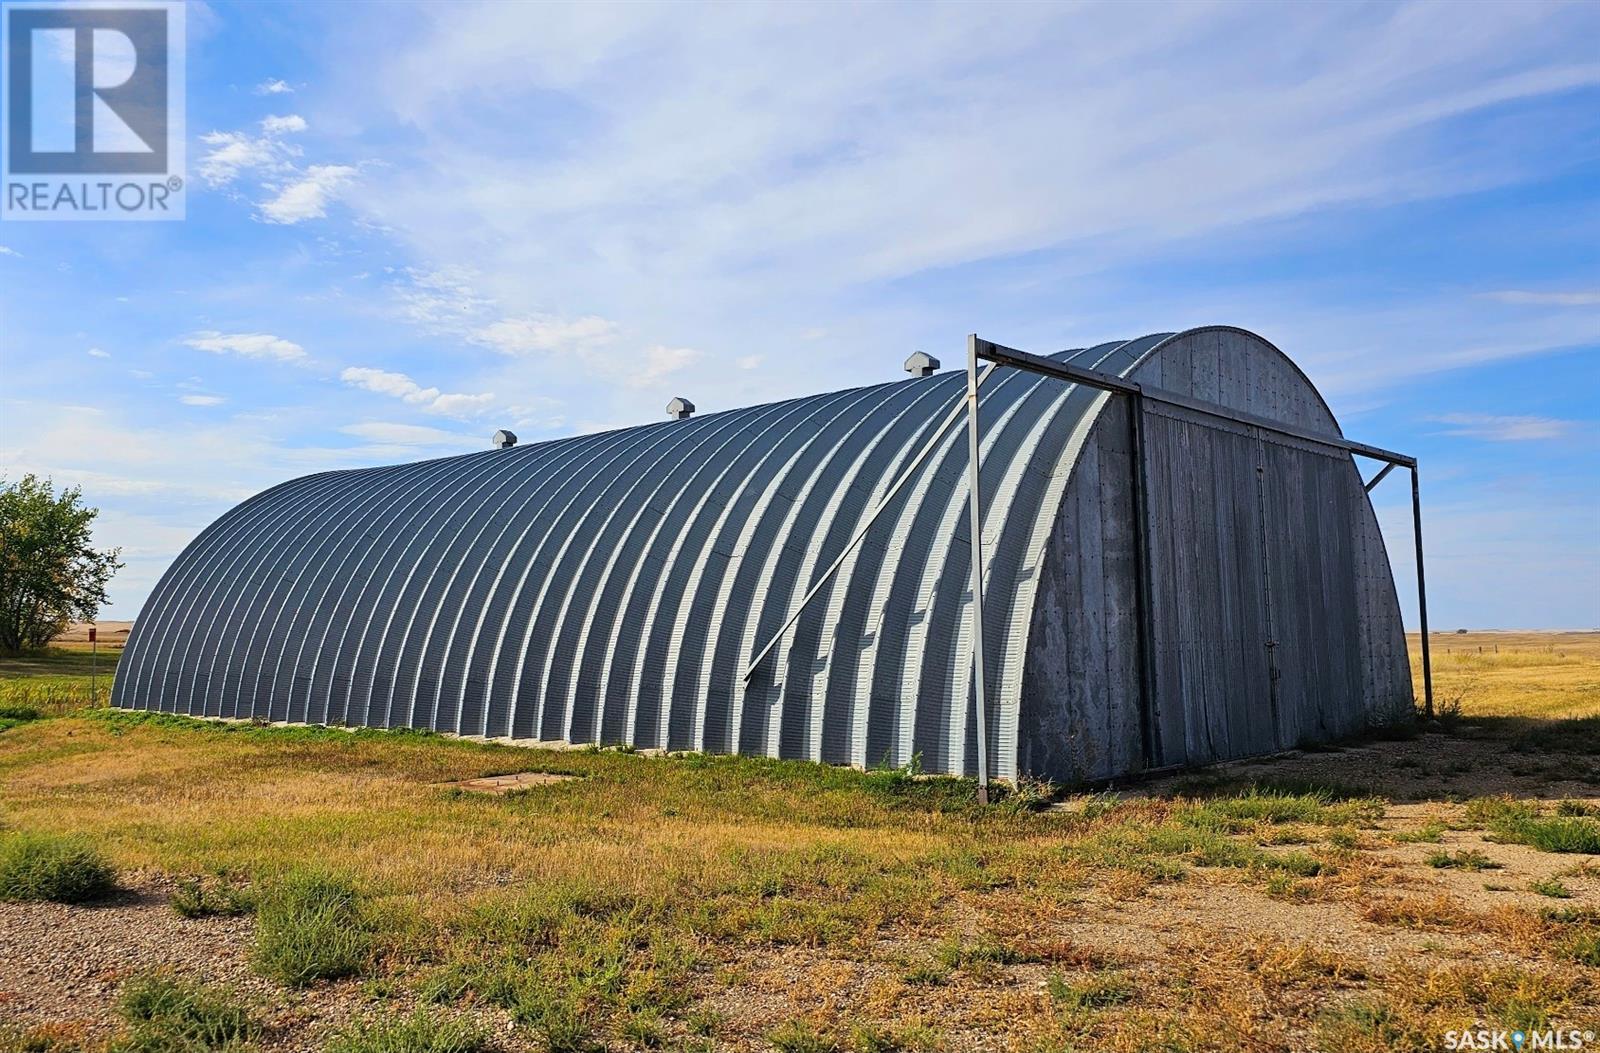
<point>1311,495</point>
<point>1253,640</point>
<point>1210,663</point>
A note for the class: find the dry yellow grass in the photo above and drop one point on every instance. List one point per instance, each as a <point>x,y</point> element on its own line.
<point>1514,674</point>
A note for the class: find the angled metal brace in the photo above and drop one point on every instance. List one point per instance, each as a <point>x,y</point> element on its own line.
<point>861,532</point>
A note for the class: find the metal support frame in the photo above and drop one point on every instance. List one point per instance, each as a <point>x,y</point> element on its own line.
<point>1422,595</point>
<point>998,354</point>
<point>1376,479</point>
<point>1144,624</point>
<point>975,507</point>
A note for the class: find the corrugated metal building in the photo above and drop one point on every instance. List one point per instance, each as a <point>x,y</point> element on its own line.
<point>614,588</point>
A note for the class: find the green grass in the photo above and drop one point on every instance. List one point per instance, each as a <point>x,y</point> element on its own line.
<point>422,1031</point>
<point>1431,832</point>
<point>1096,991</point>
<point>1581,946</point>
<point>168,1015</point>
<point>1522,822</point>
<point>800,1036</point>
<point>1466,859</point>
<point>60,869</point>
<point>211,897</point>
<point>310,927</point>
<point>1550,886</point>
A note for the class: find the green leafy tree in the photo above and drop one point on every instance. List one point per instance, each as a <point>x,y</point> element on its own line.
<point>49,573</point>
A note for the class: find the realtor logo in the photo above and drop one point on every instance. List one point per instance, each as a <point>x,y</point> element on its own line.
<point>93,115</point>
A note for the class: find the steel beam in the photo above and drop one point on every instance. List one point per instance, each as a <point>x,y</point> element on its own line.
<point>1010,356</point>
<point>974,505</point>
<point>1422,596</point>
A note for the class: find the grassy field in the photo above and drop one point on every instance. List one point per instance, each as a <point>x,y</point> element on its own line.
<point>307,888</point>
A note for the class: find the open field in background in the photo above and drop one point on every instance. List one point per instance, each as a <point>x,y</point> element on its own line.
<point>1365,897</point>
<point>1514,674</point>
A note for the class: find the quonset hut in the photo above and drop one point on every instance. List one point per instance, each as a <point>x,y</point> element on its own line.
<point>614,588</point>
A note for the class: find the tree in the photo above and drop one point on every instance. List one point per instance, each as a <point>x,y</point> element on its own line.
<point>49,573</point>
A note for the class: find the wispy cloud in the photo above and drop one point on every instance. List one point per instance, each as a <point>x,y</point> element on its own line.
<point>1576,298</point>
<point>521,336</point>
<point>308,196</point>
<point>95,352</point>
<point>6,250</point>
<point>273,87</point>
<point>202,400</point>
<point>410,435</point>
<point>275,125</point>
<point>1502,428</point>
<point>400,386</point>
<point>247,345</point>
<point>232,154</point>
<point>443,300</point>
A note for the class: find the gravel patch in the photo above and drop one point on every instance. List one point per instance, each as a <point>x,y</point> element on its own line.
<point>64,965</point>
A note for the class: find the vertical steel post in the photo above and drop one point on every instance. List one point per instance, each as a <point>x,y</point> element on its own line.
<point>1149,733</point>
<point>976,510</point>
<point>1422,596</point>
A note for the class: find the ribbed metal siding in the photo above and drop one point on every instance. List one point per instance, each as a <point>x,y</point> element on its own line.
<point>612,587</point>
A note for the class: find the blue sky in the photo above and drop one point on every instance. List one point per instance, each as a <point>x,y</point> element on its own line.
<point>412,225</point>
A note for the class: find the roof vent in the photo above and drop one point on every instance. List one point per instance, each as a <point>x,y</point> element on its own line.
<point>922,364</point>
<point>680,408</point>
<point>504,440</point>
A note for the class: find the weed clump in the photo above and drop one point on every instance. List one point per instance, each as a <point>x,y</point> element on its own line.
<point>1521,822</point>
<point>1466,859</point>
<point>798,1036</point>
<point>1098,991</point>
<point>1553,887</point>
<point>310,927</point>
<point>200,898</point>
<point>421,1032</point>
<point>168,1015</point>
<point>59,869</point>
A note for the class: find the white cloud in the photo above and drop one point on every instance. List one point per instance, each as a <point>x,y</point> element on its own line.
<point>386,383</point>
<point>400,386</point>
<point>274,125</point>
<point>658,363</point>
<point>457,405</point>
<point>440,301</point>
<point>1499,428</point>
<point>95,352</point>
<point>6,250</point>
<point>273,87</point>
<point>202,400</point>
<point>1579,298</point>
<point>521,336</point>
<point>248,345</point>
<point>232,153</point>
<point>308,196</point>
